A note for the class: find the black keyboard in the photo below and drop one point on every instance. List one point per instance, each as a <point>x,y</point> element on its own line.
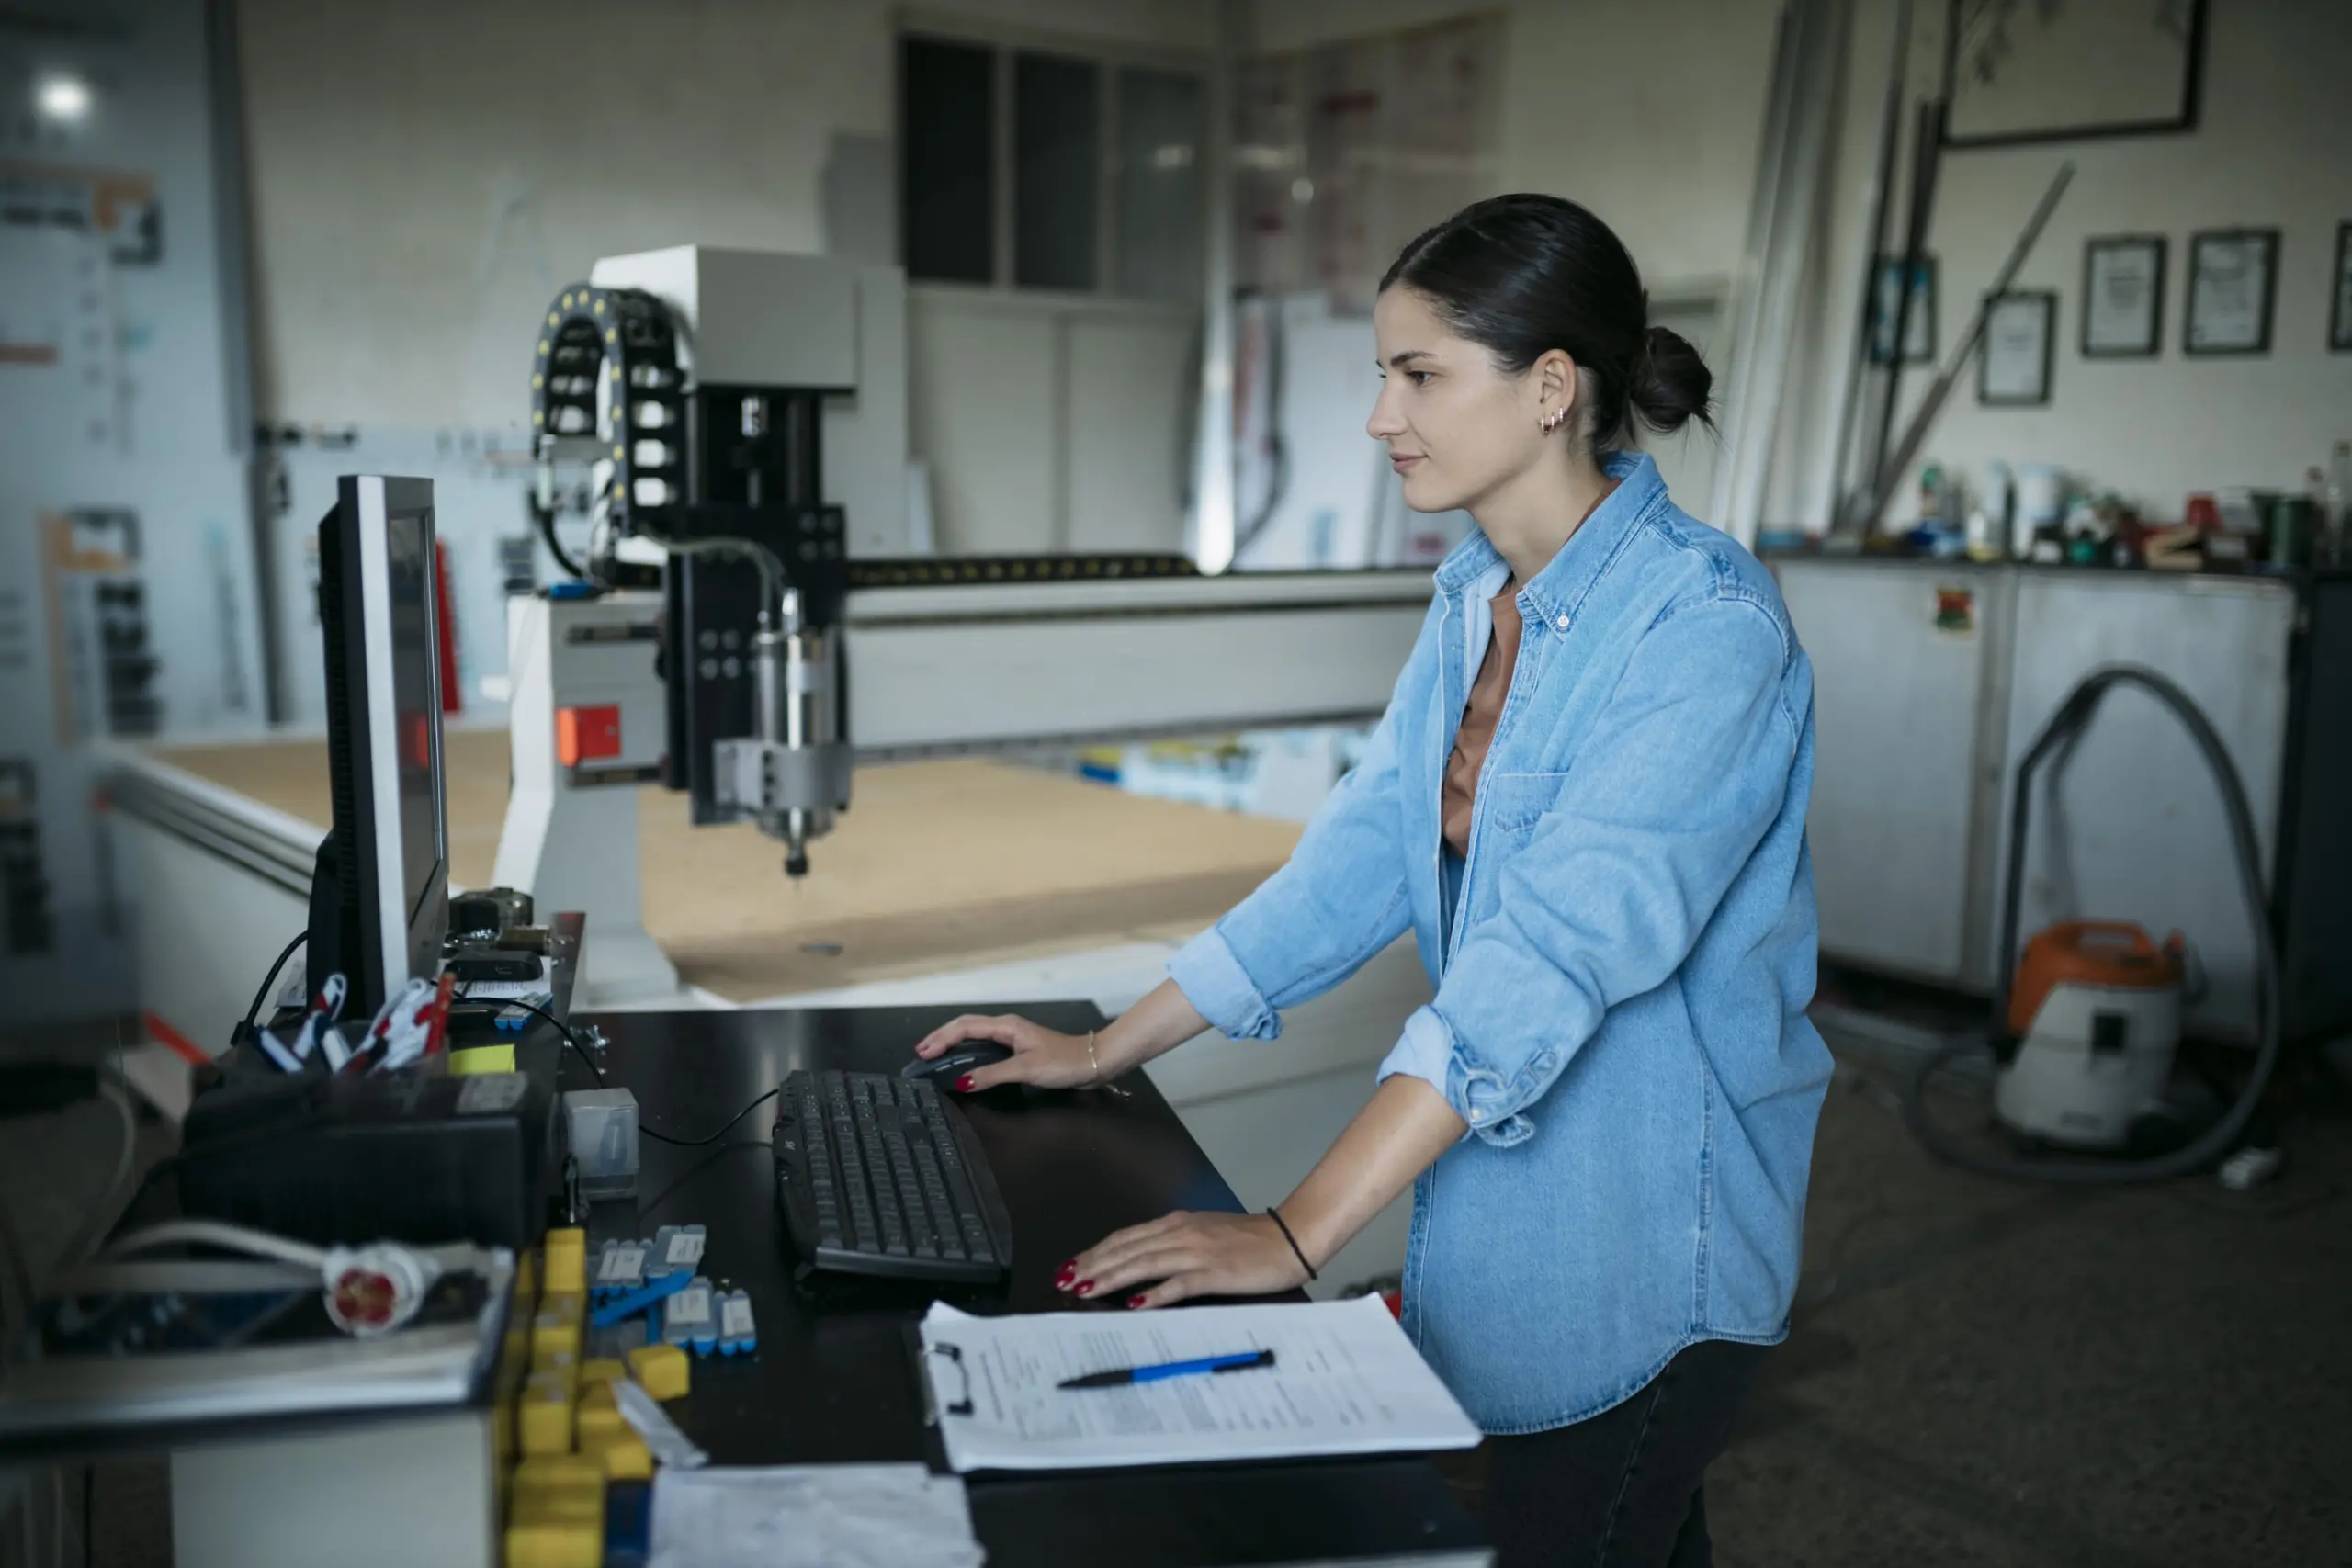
<point>879,1175</point>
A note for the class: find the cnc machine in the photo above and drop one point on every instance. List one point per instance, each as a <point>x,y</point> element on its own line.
<point>745,627</point>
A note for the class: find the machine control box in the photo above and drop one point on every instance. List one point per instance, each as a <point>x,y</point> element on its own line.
<point>383,1157</point>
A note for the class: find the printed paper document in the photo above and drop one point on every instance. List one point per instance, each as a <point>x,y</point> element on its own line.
<point>1345,1380</point>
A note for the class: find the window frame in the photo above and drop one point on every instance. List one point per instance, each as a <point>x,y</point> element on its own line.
<point>1108,57</point>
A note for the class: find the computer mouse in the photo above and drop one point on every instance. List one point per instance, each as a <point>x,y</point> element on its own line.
<point>962,1057</point>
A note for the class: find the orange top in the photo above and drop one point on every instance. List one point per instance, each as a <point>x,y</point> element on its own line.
<point>1479,717</point>
<point>1485,707</point>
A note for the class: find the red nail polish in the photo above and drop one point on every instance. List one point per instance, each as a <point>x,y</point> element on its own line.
<point>1069,1272</point>
<point>1135,1301</point>
<point>964,1083</point>
<point>1085,1287</point>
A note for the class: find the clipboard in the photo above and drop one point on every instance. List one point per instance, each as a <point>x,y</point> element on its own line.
<point>1346,1382</point>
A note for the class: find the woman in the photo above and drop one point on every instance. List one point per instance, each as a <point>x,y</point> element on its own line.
<point>1587,801</point>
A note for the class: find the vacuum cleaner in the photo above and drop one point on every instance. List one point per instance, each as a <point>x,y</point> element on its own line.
<point>2086,1028</point>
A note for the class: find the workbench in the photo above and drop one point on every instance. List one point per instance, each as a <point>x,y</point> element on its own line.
<point>835,1379</point>
<point>946,879</point>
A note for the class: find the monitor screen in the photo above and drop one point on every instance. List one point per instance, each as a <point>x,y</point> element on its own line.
<point>416,704</point>
<point>384,910</point>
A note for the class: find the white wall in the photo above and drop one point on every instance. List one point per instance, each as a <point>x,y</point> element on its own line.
<point>2270,150</point>
<point>425,175</point>
<point>1647,114</point>
<point>411,217</point>
<point>1651,115</point>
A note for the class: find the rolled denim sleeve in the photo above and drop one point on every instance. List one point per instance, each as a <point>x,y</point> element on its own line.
<point>1339,900</point>
<point>1681,777</point>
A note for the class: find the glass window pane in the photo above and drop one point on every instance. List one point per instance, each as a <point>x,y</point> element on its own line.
<point>1056,150</point>
<point>948,182</point>
<point>1161,165</point>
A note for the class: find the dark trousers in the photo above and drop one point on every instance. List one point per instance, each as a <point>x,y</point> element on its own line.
<point>1621,1490</point>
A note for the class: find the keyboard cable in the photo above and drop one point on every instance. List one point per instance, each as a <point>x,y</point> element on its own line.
<point>598,1073</point>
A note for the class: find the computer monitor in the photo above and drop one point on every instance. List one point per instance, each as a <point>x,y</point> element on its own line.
<point>379,901</point>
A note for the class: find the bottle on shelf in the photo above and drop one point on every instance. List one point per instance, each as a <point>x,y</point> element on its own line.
<point>2335,519</point>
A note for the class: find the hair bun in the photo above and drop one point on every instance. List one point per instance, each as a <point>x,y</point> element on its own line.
<point>1670,383</point>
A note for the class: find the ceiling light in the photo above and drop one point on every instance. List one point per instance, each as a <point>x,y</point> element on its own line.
<point>63,98</point>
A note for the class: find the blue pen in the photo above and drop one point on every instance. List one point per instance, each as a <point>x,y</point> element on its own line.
<point>1121,1376</point>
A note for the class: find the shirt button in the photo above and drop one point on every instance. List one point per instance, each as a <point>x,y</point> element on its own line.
<point>1478,1116</point>
<point>1562,622</point>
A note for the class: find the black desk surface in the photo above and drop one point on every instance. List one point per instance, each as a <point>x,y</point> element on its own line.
<point>833,1380</point>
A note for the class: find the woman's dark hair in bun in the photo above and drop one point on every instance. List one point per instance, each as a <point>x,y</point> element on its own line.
<point>1523,275</point>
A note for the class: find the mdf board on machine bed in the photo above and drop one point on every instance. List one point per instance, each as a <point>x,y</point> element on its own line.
<point>942,864</point>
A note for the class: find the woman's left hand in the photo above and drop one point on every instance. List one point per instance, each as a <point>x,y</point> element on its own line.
<point>1186,1255</point>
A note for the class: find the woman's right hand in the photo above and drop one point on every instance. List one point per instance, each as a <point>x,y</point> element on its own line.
<point>1040,1055</point>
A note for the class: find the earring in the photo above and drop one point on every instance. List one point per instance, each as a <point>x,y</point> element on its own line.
<point>1551,421</point>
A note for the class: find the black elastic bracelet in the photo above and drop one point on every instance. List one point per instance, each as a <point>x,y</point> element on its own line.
<point>1275,1215</point>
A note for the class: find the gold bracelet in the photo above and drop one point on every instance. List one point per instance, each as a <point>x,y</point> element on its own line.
<point>1093,1060</point>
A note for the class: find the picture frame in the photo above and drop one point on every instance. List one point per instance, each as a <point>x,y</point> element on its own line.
<point>2013,369</point>
<point>2232,292</point>
<point>2017,74</point>
<point>1919,335</point>
<point>2123,297</point>
<point>2339,319</point>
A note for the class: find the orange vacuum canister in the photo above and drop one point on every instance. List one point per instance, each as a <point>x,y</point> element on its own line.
<point>2094,1021</point>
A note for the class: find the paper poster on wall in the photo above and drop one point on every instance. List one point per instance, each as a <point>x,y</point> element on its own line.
<point>104,661</point>
<point>27,925</point>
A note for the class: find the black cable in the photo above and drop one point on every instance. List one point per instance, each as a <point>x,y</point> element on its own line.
<point>545,517</point>
<point>252,1013</point>
<point>699,1142</point>
<point>598,1073</point>
<point>563,1029</point>
<point>2073,715</point>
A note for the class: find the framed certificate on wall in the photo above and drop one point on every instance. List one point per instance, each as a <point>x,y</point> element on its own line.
<point>2123,297</point>
<point>2233,285</point>
<point>2015,370</point>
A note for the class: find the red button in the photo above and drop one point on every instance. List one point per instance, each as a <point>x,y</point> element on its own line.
<point>587,735</point>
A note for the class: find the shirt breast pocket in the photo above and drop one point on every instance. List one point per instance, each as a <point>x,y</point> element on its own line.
<point>1516,802</point>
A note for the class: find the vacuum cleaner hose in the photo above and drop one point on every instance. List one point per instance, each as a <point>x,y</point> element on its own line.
<point>2072,715</point>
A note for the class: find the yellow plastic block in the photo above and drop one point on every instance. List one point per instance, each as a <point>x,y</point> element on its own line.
<point>567,1261</point>
<point>602,1368</point>
<point>591,1428</point>
<point>598,1396</point>
<point>527,1279</point>
<point>626,1458</point>
<point>559,1476</point>
<point>546,1414</point>
<point>541,1541</point>
<point>662,1369</point>
<point>558,1364</point>
<point>556,1326</point>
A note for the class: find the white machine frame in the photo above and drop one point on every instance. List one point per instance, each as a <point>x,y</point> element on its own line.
<point>935,671</point>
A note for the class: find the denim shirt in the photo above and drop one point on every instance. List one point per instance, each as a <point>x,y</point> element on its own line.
<point>1621,990</point>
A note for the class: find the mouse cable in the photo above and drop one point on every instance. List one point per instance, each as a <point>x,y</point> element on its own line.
<point>598,1073</point>
<point>252,1013</point>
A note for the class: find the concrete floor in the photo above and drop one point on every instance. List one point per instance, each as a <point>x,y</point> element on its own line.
<point>1983,1374</point>
<point>1980,1374</point>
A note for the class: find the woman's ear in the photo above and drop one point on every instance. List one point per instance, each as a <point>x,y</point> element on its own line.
<point>1555,382</point>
